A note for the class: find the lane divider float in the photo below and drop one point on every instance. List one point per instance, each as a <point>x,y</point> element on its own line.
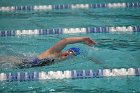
<point>74,74</point>
<point>69,6</point>
<point>122,29</point>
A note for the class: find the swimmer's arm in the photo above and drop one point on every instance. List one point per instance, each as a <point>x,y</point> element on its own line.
<point>97,61</point>
<point>59,46</point>
<point>94,60</point>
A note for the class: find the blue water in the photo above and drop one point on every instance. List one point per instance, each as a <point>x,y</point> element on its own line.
<point>114,50</point>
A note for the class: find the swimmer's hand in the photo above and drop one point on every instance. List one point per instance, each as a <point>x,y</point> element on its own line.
<point>88,41</point>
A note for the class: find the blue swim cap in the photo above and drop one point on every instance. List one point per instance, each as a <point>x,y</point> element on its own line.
<point>75,50</point>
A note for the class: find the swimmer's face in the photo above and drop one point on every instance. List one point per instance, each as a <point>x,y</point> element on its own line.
<point>67,54</point>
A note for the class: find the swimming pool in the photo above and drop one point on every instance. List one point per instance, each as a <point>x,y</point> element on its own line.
<point>115,49</point>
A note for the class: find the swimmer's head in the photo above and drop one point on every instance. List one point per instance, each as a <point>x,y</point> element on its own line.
<point>71,52</point>
<point>76,51</point>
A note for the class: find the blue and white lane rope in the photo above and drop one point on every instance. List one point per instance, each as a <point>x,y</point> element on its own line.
<point>70,31</point>
<point>75,74</point>
<point>70,6</point>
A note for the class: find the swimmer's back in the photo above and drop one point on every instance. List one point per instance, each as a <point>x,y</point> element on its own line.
<point>36,62</point>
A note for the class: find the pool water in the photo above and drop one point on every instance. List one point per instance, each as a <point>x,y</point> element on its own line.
<point>113,50</point>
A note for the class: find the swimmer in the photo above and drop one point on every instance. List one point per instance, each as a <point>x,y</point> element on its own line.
<point>55,53</point>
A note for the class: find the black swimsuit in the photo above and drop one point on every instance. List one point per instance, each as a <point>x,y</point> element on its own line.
<point>35,62</point>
